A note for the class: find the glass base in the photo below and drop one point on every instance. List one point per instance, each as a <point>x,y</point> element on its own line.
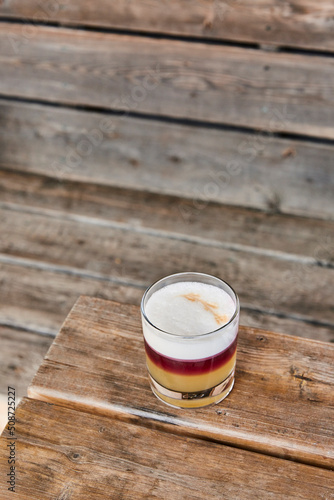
<point>198,399</point>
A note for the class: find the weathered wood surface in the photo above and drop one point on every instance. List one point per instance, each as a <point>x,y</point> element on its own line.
<point>282,402</point>
<point>217,84</point>
<point>113,459</point>
<point>38,297</point>
<point>41,300</point>
<point>274,284</point>
<point>38,294</point>
<point>172,216</point>
<point>301,23</point>
<point>193,162</point>
<point>93,153</point>
<point>21,354</point>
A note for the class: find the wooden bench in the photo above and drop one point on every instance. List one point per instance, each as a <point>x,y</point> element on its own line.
<point>138,140</point>
<point>91,427</point>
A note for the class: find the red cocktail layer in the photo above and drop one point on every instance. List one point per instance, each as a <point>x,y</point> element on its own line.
<point>191,367</point>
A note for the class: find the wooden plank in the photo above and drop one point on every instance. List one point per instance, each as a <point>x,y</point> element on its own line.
<point>200,164</point>
<point>21,354</point>
<point>172,216</point>
<point>219,84</point>
<point>287,325</point>
<point>39,298</point>
<point>41,301</point>
<point>301,23</point>
<point>117,458</point>
<point>281,404</point>
<point>279,285</point>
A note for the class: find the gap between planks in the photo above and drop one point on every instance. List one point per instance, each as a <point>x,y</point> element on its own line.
<point>144,210</point>
<point>110,203</point>
<point>106,254</point>
<point>225,42</point>
<point>274,175</point>
<point>62,287</point>
<point>203,86</point>
<point>305,27</point>
<point>119,201</point>
<point>164,118</point>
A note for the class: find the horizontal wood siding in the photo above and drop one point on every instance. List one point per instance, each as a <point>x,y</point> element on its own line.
<point>301,239</point>
<point>121,253</point>
<point>141,139</point>
<point>302,23</point>
<point>198,163</point>
<point>276,92</point>
<point>38,296</point>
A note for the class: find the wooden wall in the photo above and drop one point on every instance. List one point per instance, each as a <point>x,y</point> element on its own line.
<point>139,139</point>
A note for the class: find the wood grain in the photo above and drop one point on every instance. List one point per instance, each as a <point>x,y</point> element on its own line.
<point>279,92</point>
<point>39,298</point>
<point>301,23</point>
<point>264,282</point>
<point>281,405</point>
<point>171,216</point>
<point>21,354</point>
<point>197,163</point>
<point>118,460</point>
<point>41,305</point>
<point>287,325</point>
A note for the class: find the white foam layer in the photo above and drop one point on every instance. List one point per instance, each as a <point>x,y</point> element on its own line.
<point>187,309</point>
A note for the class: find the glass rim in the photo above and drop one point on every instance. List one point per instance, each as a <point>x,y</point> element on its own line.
<point>183,337</point>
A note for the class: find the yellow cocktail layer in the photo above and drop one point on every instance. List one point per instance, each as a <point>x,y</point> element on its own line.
<point>190,383</point>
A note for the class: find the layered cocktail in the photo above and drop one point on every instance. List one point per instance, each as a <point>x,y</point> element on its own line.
<point>190,327</point>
